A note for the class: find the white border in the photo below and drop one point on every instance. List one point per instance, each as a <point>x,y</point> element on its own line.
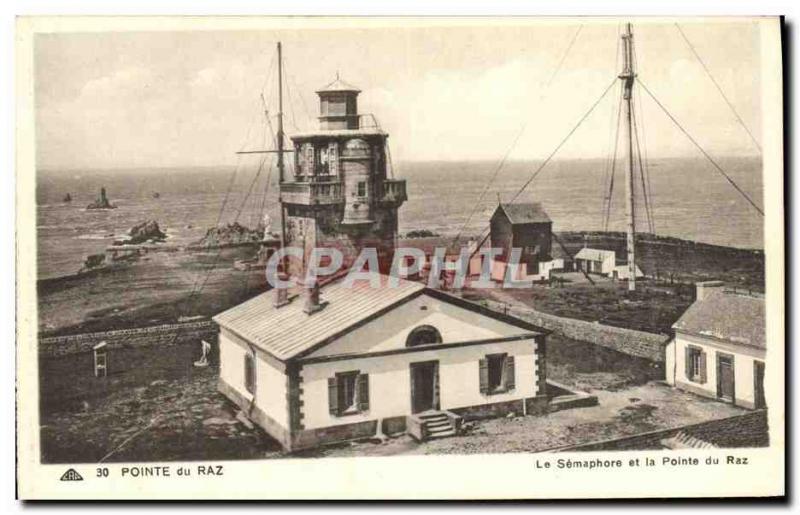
<point>345,7</point>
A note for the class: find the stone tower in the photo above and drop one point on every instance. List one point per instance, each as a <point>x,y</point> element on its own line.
<point>339,195</point>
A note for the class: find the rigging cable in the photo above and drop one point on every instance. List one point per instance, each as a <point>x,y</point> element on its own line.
<point>696,144</point>
<point>719,88</point>
<point>197,286</point>
<point>513,145</point>
<point>561,144</point>
<point>647,172</point>
<point>497,169</point>
<point>613,167</point>
<point>641,142</point>
<point>613,134</point>
<point>647,210</point>
<point>564,57</point>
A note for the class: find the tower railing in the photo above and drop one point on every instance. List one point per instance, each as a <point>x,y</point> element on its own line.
<point>312,193</point>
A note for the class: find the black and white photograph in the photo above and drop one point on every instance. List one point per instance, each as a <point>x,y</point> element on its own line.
<point>319,241</point>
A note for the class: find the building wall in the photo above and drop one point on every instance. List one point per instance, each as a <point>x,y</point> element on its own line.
<point>743,357</point>
<point>391,330</point>
<point>390,381</point>
<point>271,384</point>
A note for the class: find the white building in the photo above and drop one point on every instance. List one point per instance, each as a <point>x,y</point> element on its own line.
<point>596,261</point>
<point>623,272</point>
<point>719,347</point>
<point>363,360</point>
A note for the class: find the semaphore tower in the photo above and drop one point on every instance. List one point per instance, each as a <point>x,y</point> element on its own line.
<point>340,195</point>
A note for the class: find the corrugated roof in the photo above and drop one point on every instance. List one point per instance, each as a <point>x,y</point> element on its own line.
<point>287,331</point>
<point>339,85</point>
<point>595,254</point>
<point>727,316</point>
<point>525,213</point>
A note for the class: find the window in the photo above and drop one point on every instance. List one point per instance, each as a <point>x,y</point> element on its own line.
<point>250,373</point>
<point>695,364</point>
<point>362,189</point>
<point>423,335</point>
<point>348,393</point>
<point>496,374</point>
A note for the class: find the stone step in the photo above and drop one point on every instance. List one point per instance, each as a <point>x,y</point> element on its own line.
<point>442,434</point>
<point>439,429</point>
<point>438,423</point>
<point>431,415</point>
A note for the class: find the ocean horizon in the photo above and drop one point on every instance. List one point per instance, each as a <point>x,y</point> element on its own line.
<point>690,200</point>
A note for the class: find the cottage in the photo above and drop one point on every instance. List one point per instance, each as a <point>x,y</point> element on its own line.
<point>719,347</point>
<point>348,361</point>
<point>596,261</point>
<point>525,226</point>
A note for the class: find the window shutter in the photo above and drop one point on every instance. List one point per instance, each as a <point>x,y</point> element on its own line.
<point>363,392</point>
<point>333,396</point>
<point>484,376</point>
<point>702,361</point>
<point>250,373</point>
<point>688,365</point>
<point>510,382</point>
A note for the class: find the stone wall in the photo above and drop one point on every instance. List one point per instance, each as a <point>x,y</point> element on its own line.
<point>628,341</point>
<point>154,335</point>
<point>748,430</point>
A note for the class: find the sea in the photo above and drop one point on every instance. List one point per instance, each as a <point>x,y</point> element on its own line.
<point>688,199</point>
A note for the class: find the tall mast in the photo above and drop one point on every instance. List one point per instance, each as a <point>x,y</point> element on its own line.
<point>281,173</point>
<point>627,76</point>
<point>280,114</point>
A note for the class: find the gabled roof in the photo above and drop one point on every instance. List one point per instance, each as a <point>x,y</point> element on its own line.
<point>525,213</point>
<point>732,317</point>
<point>288,331</point>
<point>338,85</point>
<point>595,254</point>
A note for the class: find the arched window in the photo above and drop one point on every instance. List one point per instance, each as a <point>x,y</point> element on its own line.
<point>423,335</point>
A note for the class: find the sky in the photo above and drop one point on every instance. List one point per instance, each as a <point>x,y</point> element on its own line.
<point>193,98</point>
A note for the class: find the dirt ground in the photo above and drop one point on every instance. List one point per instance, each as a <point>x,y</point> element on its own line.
<point>155,406</point>
<point>651,308</point>
<point>156,289</point>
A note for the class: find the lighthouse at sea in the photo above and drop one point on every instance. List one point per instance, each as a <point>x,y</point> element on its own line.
<point>340,195</point>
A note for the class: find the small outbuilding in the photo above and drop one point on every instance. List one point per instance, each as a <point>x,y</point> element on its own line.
<point>596,261</point>
<point>525,226</point>
<point>719,348</point>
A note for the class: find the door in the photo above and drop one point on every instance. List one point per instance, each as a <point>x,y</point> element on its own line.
<point>725,377</point>
<point>758,387</point>
<point>424,386</point>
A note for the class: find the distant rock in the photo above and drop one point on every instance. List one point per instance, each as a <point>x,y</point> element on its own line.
<point>421,233</point>
<point>145,231</point>
<point>230,235</point>
<point>101,202</point>
<point>156,194</point>
<point>94,261</point>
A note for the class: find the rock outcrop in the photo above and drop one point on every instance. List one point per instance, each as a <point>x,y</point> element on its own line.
<point>144,232</point>
<point>230,235</point>
<point>101,202</point>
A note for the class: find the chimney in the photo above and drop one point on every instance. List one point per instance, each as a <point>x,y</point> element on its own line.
<point>312,304</point>
<point>281,292</point>
<point>705,288</point>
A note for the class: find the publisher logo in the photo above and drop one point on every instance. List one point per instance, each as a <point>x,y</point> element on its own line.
<point>71,475</point>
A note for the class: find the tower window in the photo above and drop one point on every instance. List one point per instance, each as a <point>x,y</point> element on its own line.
<point>362,189</point>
